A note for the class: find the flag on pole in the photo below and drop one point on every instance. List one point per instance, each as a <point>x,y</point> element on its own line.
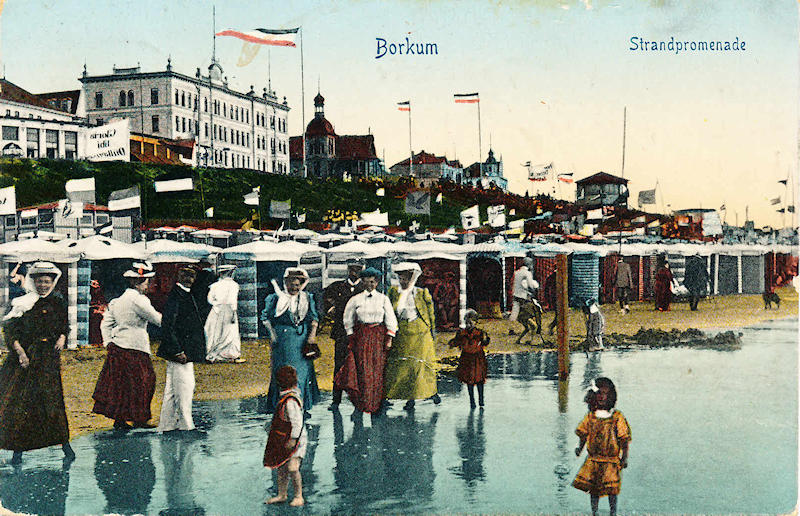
<point>722,208</point>
<point>70,210</point>
<point>275,37</point>
<point>497,215</point>
<point>280,209</point>
<point>251,198</point>
<point>469,218</point>
<point>783,181</point>
<point>790,208</point>
<point>126,199</point>
<point>539,172</point>
<point>210,212</point>
<point>647,197</point>
<point>174,185</point>
<point>404,106</point>
<point>418,202</point>
<point>466,98</point>
<point>8,201</point>
<point>776,200</point>
<point>439,198</point>
<point>380,192</point>
<point>80,190</point>
<point>565,178</point>
<point>301,218</point>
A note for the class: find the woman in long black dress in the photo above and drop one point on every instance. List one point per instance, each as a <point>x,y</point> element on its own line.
<point>32,412</point>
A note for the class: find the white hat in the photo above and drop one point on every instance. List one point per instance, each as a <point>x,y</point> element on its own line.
<point>38,268</point>
<point>142,269</point>
<point>226,268</point>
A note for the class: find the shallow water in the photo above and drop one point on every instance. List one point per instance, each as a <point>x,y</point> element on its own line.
<point>713,432</point>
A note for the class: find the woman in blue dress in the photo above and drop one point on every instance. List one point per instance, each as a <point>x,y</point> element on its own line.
<point>291,319</point>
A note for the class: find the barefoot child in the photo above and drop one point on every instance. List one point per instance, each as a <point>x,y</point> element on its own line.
<point>286,445</point>
<point>606,434</point>
<point>472,363</point>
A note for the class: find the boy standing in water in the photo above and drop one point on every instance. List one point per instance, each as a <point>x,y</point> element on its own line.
<point>286,444</point>
<point>606,434</point>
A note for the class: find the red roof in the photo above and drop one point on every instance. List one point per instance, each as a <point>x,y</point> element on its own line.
<point>12,92</point>
<point>53,205</point>
<point>54,100</point>
<point>356,147</point>
<point>602,178</point>
<point>425,158</point>
<point>319,127</point>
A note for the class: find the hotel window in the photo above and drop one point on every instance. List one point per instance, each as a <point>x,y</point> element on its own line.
<point>130,97</point>
<point>272,122</point>
<point>122,98</point>
<point>154,121</point>
<point>247,140</point>
<point>183,99</point>
<point>153,96</point>
<point>51,143</point>
<point>184,124</point>
<point>206,125</point>
<point>10,133</point>
<point>177,124</point>
<point>70,144</point>
<point>177,98</point>
<point>33,142</point>
<point>98,100</point>
<point>205,105</point>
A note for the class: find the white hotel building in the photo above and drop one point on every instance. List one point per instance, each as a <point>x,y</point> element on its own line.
<point>230,129</point>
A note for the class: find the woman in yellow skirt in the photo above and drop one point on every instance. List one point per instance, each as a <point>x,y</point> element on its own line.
<point>410,367</point>
<point>606,434</point>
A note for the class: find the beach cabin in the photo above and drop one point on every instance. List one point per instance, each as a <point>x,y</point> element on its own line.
<point>485,279</point>
<point>259,264</point>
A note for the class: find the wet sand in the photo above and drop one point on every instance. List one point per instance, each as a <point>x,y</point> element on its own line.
<point>80,368</point>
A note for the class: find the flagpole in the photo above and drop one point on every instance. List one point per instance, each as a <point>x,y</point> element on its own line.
<point>480,147</point>
<point>410,148</point>
<point>794,201</point>
<point>785,199</point>
<point>624,127</point>
<point>303,109</point>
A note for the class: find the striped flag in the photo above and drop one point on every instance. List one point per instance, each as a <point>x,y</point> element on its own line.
<point>404,106</point>
<point>275,37</point>
<point>466,98</point>
<point>565,178</point>
<point>776,200</point>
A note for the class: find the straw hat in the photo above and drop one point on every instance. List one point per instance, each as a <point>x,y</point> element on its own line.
<point>142,269</point>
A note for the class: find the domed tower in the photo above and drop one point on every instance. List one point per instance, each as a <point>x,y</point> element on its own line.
<point>320,137</point>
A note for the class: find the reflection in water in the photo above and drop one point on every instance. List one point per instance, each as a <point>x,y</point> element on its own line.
<point>592,369</point>
<point>124,471</point>
<point>472,450</point>
<point>564,457</point>
<point>177,456</point>
<point>525,366</point>
<point>390,463</point>
<point>37,491</point>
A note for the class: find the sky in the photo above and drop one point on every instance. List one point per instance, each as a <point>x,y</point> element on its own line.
<point>554,78</point>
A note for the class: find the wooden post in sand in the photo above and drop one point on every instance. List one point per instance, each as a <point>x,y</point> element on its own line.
<point>563,308</point>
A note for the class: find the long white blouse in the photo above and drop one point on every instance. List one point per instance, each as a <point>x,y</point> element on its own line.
<point>370,308</point>
<point>125,321</point>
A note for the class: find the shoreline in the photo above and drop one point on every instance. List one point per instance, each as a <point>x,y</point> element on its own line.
<point>81,367</point>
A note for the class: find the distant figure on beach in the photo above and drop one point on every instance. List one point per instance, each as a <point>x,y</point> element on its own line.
<point>524,292</point>
<point>32,411</point>
<point>472,365</point>
<point>287,441</point>
<point>127,381</point>
<point>595,325</point>
<point>606,435</point>
<point>411,363</point>
<point>183,343</point>
<point>370,323</point>
<point>623,283</point>
<point>662,287</point>
<point>336,297</point>
<point>695,279</point>
<point>223,343</point>
<point>291,319</point>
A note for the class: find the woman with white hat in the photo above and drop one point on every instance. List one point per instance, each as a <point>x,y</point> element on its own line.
<point>411,364</point>
<point>127,381</point>
<point>291,319</point>
<point>32,411</point>
<point>223,343</point>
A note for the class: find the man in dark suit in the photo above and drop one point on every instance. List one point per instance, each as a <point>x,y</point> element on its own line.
<point>183,342</point>
<point>201,286</point>
<point>336,297</point>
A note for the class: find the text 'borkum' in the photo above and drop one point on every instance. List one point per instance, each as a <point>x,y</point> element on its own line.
<point>405,48</point>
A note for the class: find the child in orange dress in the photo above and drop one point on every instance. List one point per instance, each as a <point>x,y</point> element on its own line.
<point>287,441</point>
<point>606,434</point>
<point>472,363</point>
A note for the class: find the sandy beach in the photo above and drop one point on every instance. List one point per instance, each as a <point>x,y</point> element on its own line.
<point>81,367</point>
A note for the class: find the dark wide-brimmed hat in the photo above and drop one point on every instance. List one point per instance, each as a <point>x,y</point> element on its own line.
<point>371,272</point>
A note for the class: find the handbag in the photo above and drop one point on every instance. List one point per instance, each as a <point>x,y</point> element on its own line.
<point>311,351</point>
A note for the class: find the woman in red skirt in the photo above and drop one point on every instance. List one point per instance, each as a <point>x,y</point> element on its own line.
<point>662,287</point>
<point>127,381</point>
<point>370,323</point>
<point>472,363</point>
